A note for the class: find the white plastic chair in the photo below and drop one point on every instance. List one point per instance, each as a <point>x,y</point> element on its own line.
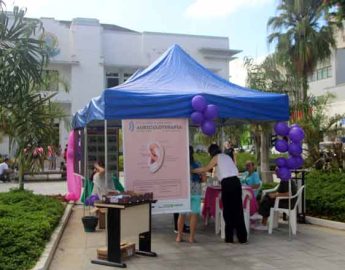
<point>218,215</point>
<point>246,209</point>
<point>265,191</point>
<point>219,221</point>
<point>274,212</point>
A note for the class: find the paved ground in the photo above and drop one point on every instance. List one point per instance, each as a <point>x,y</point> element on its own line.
<point>313,248</point>
<point>58,187</point>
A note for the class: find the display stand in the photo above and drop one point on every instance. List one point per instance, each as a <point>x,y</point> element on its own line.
<point>96,148</point>
<point>124,220</point>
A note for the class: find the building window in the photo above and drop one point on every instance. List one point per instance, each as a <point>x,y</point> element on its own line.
<point>113,79</point>
<point>126,76</point>
<point>321,74</point>
<point>50,80</point>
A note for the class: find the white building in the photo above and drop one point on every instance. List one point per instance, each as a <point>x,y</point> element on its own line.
<point>330,77</point>
<point>90,56</point>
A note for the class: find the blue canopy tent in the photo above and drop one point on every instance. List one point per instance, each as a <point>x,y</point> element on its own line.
<point>165,90</point>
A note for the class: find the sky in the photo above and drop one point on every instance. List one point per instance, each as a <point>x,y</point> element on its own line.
<point>242,21</point>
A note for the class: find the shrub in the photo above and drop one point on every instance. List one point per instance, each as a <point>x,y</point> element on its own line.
<point>268,185</point>
<point>26,223</point>
<point>326,194</point>
<point>202,157</point>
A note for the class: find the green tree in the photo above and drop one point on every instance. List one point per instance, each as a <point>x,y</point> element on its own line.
<point>268,76</point>
<point>302,38</point>
<point>25,114</point>
<point>22,55</point>
<point>316,124</point>
<point>336,9</point>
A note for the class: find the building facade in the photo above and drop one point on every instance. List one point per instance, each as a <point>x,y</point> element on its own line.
<point>89,56</point>
<point>329,76</point>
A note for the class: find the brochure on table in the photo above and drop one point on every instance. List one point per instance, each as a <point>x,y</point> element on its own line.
<point>156,159</point>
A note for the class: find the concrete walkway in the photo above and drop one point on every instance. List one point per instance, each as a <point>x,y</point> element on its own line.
<point>46,188</point>
<point>313,248</point>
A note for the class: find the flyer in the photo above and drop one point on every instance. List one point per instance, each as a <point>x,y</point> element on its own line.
<point>156,160</point>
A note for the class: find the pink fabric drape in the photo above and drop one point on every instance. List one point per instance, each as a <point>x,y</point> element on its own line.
<point>74,183</point>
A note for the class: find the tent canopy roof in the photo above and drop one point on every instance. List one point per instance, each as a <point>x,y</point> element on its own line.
<point>165,90</point>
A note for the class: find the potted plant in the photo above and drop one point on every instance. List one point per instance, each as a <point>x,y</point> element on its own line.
<point>90,222</point>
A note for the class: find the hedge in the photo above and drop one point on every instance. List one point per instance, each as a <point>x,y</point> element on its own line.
<point>325,195</point>
<point>26,223</point>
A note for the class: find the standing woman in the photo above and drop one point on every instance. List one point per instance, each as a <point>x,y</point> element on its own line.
<point>195,190</point>
<point>227,172</point>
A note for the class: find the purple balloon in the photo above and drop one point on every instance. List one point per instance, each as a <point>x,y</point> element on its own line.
<point>296,134</point>
<point>291,163</point>
<point>295,149</point>
<point>299,162</point>
<point>199,103</point>
<point>295,125</point>
<point>295,162</point>
<point>281,128</point>
<point>281,162</point>
<point>91,200</point>
<point>197,118</point>
<point>208,128</point>
<point>284,173</point>
<point>281,146</point>
<point>211,112</point>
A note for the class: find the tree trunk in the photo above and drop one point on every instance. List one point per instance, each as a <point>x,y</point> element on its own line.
<point>257,142</point>
<point>266,175</point>
<point>304,89</point>
<point>21,176</point>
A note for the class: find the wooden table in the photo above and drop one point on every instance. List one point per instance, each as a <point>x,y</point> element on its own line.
<point>126,220</point>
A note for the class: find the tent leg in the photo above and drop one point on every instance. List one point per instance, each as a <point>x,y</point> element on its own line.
<point>106,152</point>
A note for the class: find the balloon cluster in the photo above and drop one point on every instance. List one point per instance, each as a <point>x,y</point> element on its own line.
<point>291,143</point>
<point>204,115</point>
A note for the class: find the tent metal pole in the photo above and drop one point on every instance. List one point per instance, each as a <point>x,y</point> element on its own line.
<point>223,137</point>
<point>290,209</point>
<point>85,151</point>
<point>85,161</point>
<point>106,151</point>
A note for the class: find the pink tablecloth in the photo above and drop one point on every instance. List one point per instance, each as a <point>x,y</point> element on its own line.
<point>212,192</point>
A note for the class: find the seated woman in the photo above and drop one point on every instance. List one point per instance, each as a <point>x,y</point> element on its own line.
<point>251,177</point>
<point>269,199</point>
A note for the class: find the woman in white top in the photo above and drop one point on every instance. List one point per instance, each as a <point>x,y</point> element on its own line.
<point>99,187</point>
<point>227,172</point>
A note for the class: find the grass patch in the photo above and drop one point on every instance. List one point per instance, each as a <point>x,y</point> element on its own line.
<point>26,223</point>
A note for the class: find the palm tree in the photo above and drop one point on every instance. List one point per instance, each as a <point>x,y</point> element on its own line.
<point>22,55</point>
<point>25,115</point>
<point>302,37</point>
<point>337,10</point>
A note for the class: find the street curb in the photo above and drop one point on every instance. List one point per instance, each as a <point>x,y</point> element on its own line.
<point>325,223</point>
<point>49,251</point>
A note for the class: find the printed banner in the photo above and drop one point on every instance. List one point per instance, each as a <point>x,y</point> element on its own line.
<point>156,160</point>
